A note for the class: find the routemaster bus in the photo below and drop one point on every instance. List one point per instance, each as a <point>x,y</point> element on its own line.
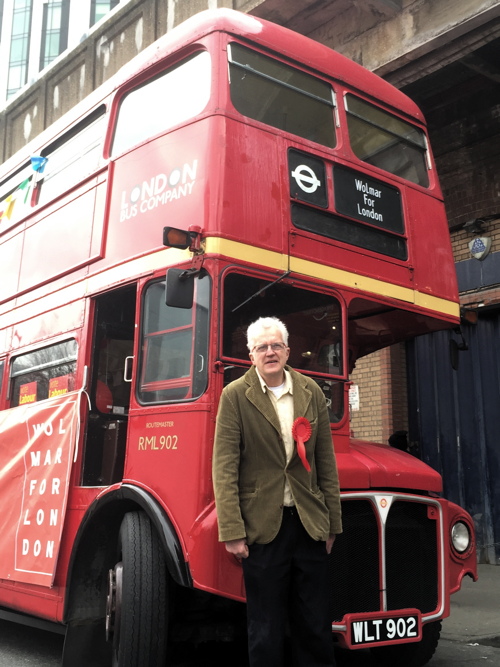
<point>232,170</point>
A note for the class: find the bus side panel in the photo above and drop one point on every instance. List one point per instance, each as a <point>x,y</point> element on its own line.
<point>154,185</point>
<point>53,322</point>
<point>431,253</point>
<point>169,453</point>
<point>252,182</point>
<point>33,600</point>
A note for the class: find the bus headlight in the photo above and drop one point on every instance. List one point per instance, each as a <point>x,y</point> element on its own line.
<point>460,537</point>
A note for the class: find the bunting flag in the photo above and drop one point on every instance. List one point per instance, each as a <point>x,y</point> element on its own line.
<point>38,163</point>
<point>8,207</point>
<point>24,188</point>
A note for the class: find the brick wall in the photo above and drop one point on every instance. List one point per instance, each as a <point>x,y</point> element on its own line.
<point>381,378</point>
<point>460,240</point>
<point>464,130</point>
<point>366,423</point>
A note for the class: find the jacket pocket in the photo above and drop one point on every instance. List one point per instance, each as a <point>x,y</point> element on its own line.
<point>247,493</point>
<point>318,494</point>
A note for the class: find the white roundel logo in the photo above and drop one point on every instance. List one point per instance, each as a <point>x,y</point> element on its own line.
<point>305,178</point>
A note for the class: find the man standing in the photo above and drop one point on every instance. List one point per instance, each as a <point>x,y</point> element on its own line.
<point>278,502</point>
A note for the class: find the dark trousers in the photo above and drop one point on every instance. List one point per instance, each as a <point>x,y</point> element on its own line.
<point>286,582</point>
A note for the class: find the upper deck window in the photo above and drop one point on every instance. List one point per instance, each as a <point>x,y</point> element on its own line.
<point>15,196</point>
<point>63,164</point>
<point>73,157</point>
<point>386,141</point>
<point>269,91</point>
<point>175,96</point>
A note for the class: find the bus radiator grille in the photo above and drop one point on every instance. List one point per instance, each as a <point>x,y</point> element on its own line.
<point>411,560</point>
<point>411,557</point>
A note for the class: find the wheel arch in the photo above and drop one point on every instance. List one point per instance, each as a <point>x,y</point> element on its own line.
<point>95,548</point>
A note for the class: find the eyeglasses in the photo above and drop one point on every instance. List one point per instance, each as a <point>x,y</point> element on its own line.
<point>275,347</point>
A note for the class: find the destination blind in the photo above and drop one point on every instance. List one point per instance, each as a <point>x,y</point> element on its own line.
<point>367,199</point>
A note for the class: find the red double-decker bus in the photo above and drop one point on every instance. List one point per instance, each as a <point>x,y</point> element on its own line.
<point>232,170</point>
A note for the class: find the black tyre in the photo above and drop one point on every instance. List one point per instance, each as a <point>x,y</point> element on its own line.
<point>410,655</point>
<point>136,614</point>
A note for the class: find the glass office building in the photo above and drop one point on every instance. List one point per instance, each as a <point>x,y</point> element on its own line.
<point>34,33</point>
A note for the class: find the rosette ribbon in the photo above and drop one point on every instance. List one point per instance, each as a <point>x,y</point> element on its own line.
<point>301,432</point>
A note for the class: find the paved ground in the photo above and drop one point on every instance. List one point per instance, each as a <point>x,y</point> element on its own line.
<point>475,610</point>
<point>470,637</point>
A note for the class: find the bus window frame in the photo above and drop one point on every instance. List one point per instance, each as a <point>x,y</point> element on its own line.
<point>3,366</point>
<point>22,176</point>
<point>14,388</point>
<point>301,69</point>
<point>293,283</point>
<point>97,118</point>
<point>196,322</point>
<point>178,382</point>
<point>340,114</point>
<point>235,367</point>
<point>151,75</point>
<point>412,122</point>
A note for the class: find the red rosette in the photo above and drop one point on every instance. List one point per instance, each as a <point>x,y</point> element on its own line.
<point>301,432</point>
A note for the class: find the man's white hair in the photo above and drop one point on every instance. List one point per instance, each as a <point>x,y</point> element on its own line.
<point>261,326</point>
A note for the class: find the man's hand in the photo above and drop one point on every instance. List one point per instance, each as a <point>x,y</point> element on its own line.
<point>238,548</point>
<point>329,543</point>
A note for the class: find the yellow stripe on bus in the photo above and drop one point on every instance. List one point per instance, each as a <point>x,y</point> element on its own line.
<point>275,260</point>
<point>267,258</point>
<point>141,266</point>
<point>435,303</point>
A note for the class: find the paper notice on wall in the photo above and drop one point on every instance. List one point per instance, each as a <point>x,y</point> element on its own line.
<point>354,397</point>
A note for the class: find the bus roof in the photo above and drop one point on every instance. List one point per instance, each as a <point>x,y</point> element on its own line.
<point>299,48</point>
<point>294,46</point>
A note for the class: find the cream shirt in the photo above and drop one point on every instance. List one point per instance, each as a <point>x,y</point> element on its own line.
<point>282,399</point>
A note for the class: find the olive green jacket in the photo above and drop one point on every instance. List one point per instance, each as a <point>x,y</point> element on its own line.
<point>249,464</point>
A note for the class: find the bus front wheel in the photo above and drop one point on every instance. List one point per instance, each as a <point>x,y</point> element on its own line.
<point>136,605</point>
<point>410,655</point>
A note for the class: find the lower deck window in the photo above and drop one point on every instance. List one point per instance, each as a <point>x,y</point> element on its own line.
<point>44,373</point>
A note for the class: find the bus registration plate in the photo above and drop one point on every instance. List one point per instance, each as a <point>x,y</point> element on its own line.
<point>384,628</point>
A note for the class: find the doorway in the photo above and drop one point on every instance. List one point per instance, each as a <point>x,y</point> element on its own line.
<point>109,388</point>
